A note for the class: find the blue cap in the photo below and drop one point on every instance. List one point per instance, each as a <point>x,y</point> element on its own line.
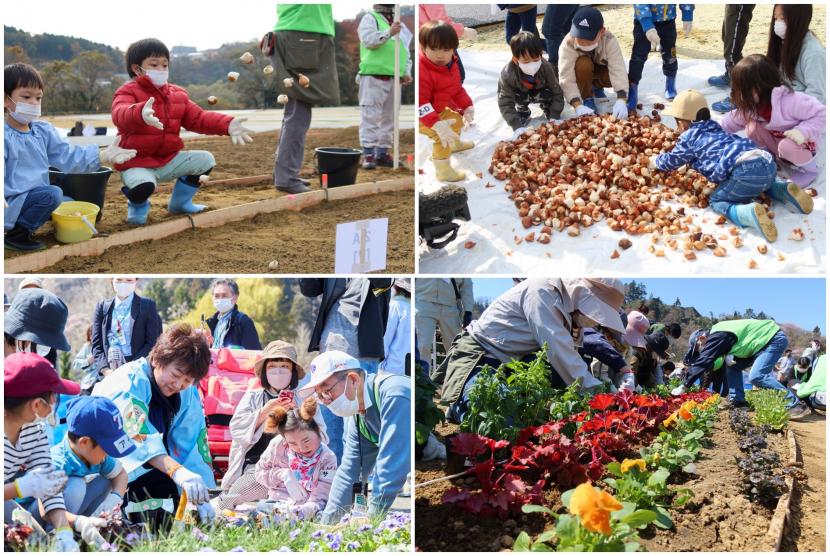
<point>587,23</point>
<point>98,418</point>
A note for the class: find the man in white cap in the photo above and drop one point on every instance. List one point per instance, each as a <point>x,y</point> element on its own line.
<point>533,313</point>
<point>377,411</point>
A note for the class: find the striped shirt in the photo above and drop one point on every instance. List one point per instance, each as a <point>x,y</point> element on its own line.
<point>30,452</point>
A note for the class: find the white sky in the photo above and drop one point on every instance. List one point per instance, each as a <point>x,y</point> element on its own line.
<point>200,23</point>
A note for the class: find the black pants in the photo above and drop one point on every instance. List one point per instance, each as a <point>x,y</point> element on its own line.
<point>555,25</point>
<point>153,484</point>
<point>667,31</point>
<point>524,21</point>
<point>735,28</point>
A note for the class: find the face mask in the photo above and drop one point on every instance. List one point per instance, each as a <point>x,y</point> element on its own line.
<point>531,68</point>
<point>123,289</point>
<point>779,28</point>
<point>223,304</point>
<point>158,77</point>
<point>25,113</point>
<point>50,420</point>
<point>343,406</point>
<point>278,379</point>
<point>43,351</point>
<point>587,48</point>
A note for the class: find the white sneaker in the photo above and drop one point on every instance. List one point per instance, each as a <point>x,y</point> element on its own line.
<point>679,390</point>
<point>799,411</point>
<point>434,449</point>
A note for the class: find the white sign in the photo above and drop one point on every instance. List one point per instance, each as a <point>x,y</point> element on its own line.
<point>361,246</point>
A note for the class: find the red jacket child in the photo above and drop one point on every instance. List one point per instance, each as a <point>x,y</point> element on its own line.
<point>156,147</point>
<point>439,87</point>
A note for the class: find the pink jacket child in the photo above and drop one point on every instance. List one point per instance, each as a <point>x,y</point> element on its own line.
<point>790,127</point>
<point>297,467</point>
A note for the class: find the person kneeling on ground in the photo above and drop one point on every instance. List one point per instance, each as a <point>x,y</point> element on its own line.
<point>740,169</point>
<point>377,409</point>
<point>528,78</point>
<point>297,468</point>
<point>155,135</point>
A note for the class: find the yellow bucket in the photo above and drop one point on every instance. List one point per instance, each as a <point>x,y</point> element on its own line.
<point>69,224</point>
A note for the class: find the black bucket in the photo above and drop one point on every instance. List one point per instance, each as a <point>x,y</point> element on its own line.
<point>340,164</point>
<point>90,187</point>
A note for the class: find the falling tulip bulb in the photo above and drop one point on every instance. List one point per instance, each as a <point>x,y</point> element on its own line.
<point>212,100</point>
<point>304,81</point>
<point>288,82</point>
<point>282,99</point>
<point>233,76</point>
<point>247,58</point>
<point>268,70</point>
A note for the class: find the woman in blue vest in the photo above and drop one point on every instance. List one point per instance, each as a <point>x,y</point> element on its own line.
<point>230,327</point>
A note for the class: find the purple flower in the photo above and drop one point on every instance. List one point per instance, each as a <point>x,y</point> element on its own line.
<point>206,549</point>
<point>313,546</point>
<point>317,534</point>
<point>345,518</point>
<point>131,539</point>
<point>365,527</point>
<point>334,545</point>
<point>294,534</point>
<point>352,546</point>
<point>199,535</point>
<point>107,547</point>
<point>284,549</point>
<point>237,549</point>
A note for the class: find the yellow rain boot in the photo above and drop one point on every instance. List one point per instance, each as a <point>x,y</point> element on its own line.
<point>461,145</point>
<point>445,172</point>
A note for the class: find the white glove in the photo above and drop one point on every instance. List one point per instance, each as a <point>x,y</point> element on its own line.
<point>88,528</point>
<point>41,482</point>
<point>149,115</point>
<point>518,132</point>
<point>729,360</point>
<point>65,542</point>
<point>238,132</point>
<point>292,485</point>
<point>620,110</point>
<point>628,382</point>
<point>306,511</point>
<point>445,133</point>
<point>192,484</point>
<point>469,114</point>
<point>653,38</point>
<point>110,504</point>
<point>687,28</point>
<point>206,512</point>
<point>115,154</point>
<point>652,162</point>
<point>583,110</point>
<point>795,136</point>
<point>679,390</point>
<point>469,34</point>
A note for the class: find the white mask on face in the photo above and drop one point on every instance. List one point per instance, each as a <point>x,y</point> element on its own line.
<point>587,48</point>
<point>779,28</point>
<point>530,68</point>
<point>50,420</point>
<point>343,406</point>
<point>277,377</point>
<point>123,289</point>
<point>25,113</point>
<point>158,77</point>
<point>223,304</point>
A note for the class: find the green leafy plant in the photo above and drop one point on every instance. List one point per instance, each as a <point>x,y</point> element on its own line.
<point>673,451</point>
<point>632,482</point>
<point>567,402</point>
<point>770,407</point>
<point>427,414</point>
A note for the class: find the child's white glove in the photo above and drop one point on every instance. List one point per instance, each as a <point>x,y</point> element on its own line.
<point>469,34</point>
<point>446,134</point>
<point>111,503</point>
<point>652,162</point>
<point>88,528</point>
<point>687,28</point>
<point>469,114</point>
<point>149,115</point>
<point>238,132</point>
<point>795,136</point>
<point>115,154</point>
<point>583,110</point>
<point>41,482</point>
<point>620,110</point>
<point>306,511</point>
<point>653,38</point>
<point>679,390</point>
<point>65,541</point>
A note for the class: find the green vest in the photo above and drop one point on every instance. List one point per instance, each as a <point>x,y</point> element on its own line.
<point>380,60</point>
<point>362,427</point>
<point>752,335</point>
<point>308,18</point>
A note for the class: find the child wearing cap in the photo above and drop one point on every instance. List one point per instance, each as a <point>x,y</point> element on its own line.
<point>443,104</point>
<point>590,58</point>
<point>94,438</point>
<point>31,390</point>
<point>528,78</point>
<point>740,170</point>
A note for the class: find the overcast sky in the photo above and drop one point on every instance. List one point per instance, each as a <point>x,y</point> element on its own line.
<point>203,24</point>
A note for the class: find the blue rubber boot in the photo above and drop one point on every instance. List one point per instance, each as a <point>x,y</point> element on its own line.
<point>754,215</point>
<point>181,201</point>
<point>137,212</point>
<point>632,97</point>
<point>671,92</point>
<point>590,103</point>
<point>599,92</point>
<point>720,81</point>
<point>793,196</point>
<point>723,106</point>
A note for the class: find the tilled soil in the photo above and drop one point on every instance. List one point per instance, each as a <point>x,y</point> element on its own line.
<point>719,518</point>
<point>806,529</point>
<point>301,242</point>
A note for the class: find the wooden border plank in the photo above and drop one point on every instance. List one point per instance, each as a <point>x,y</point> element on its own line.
<point>775,533</point>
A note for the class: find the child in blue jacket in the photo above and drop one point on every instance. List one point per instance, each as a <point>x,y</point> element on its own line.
<point>741,170</point>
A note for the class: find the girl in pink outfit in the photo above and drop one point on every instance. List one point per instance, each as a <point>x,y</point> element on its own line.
<point>297,467</point>
<point>789,124</point>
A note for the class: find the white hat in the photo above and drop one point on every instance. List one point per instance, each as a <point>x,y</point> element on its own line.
<point>328,363</point>
<point>31,282</point>
<point>599,299</point>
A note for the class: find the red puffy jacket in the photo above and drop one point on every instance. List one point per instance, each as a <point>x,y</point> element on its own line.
<point>439,87</point>
<point>156,147</point>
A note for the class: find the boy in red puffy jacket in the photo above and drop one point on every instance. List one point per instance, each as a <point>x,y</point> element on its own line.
<point>443,104</point>
<point>149,113</point>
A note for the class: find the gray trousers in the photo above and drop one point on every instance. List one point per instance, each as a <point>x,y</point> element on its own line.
<point>296,120</point>
<point>377,108</point>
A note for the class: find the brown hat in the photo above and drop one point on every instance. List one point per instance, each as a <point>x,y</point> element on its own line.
<point>686,105</point>
<point>279,350</point>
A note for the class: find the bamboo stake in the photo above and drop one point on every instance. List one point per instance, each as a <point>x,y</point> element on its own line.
<point>396,90</point>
